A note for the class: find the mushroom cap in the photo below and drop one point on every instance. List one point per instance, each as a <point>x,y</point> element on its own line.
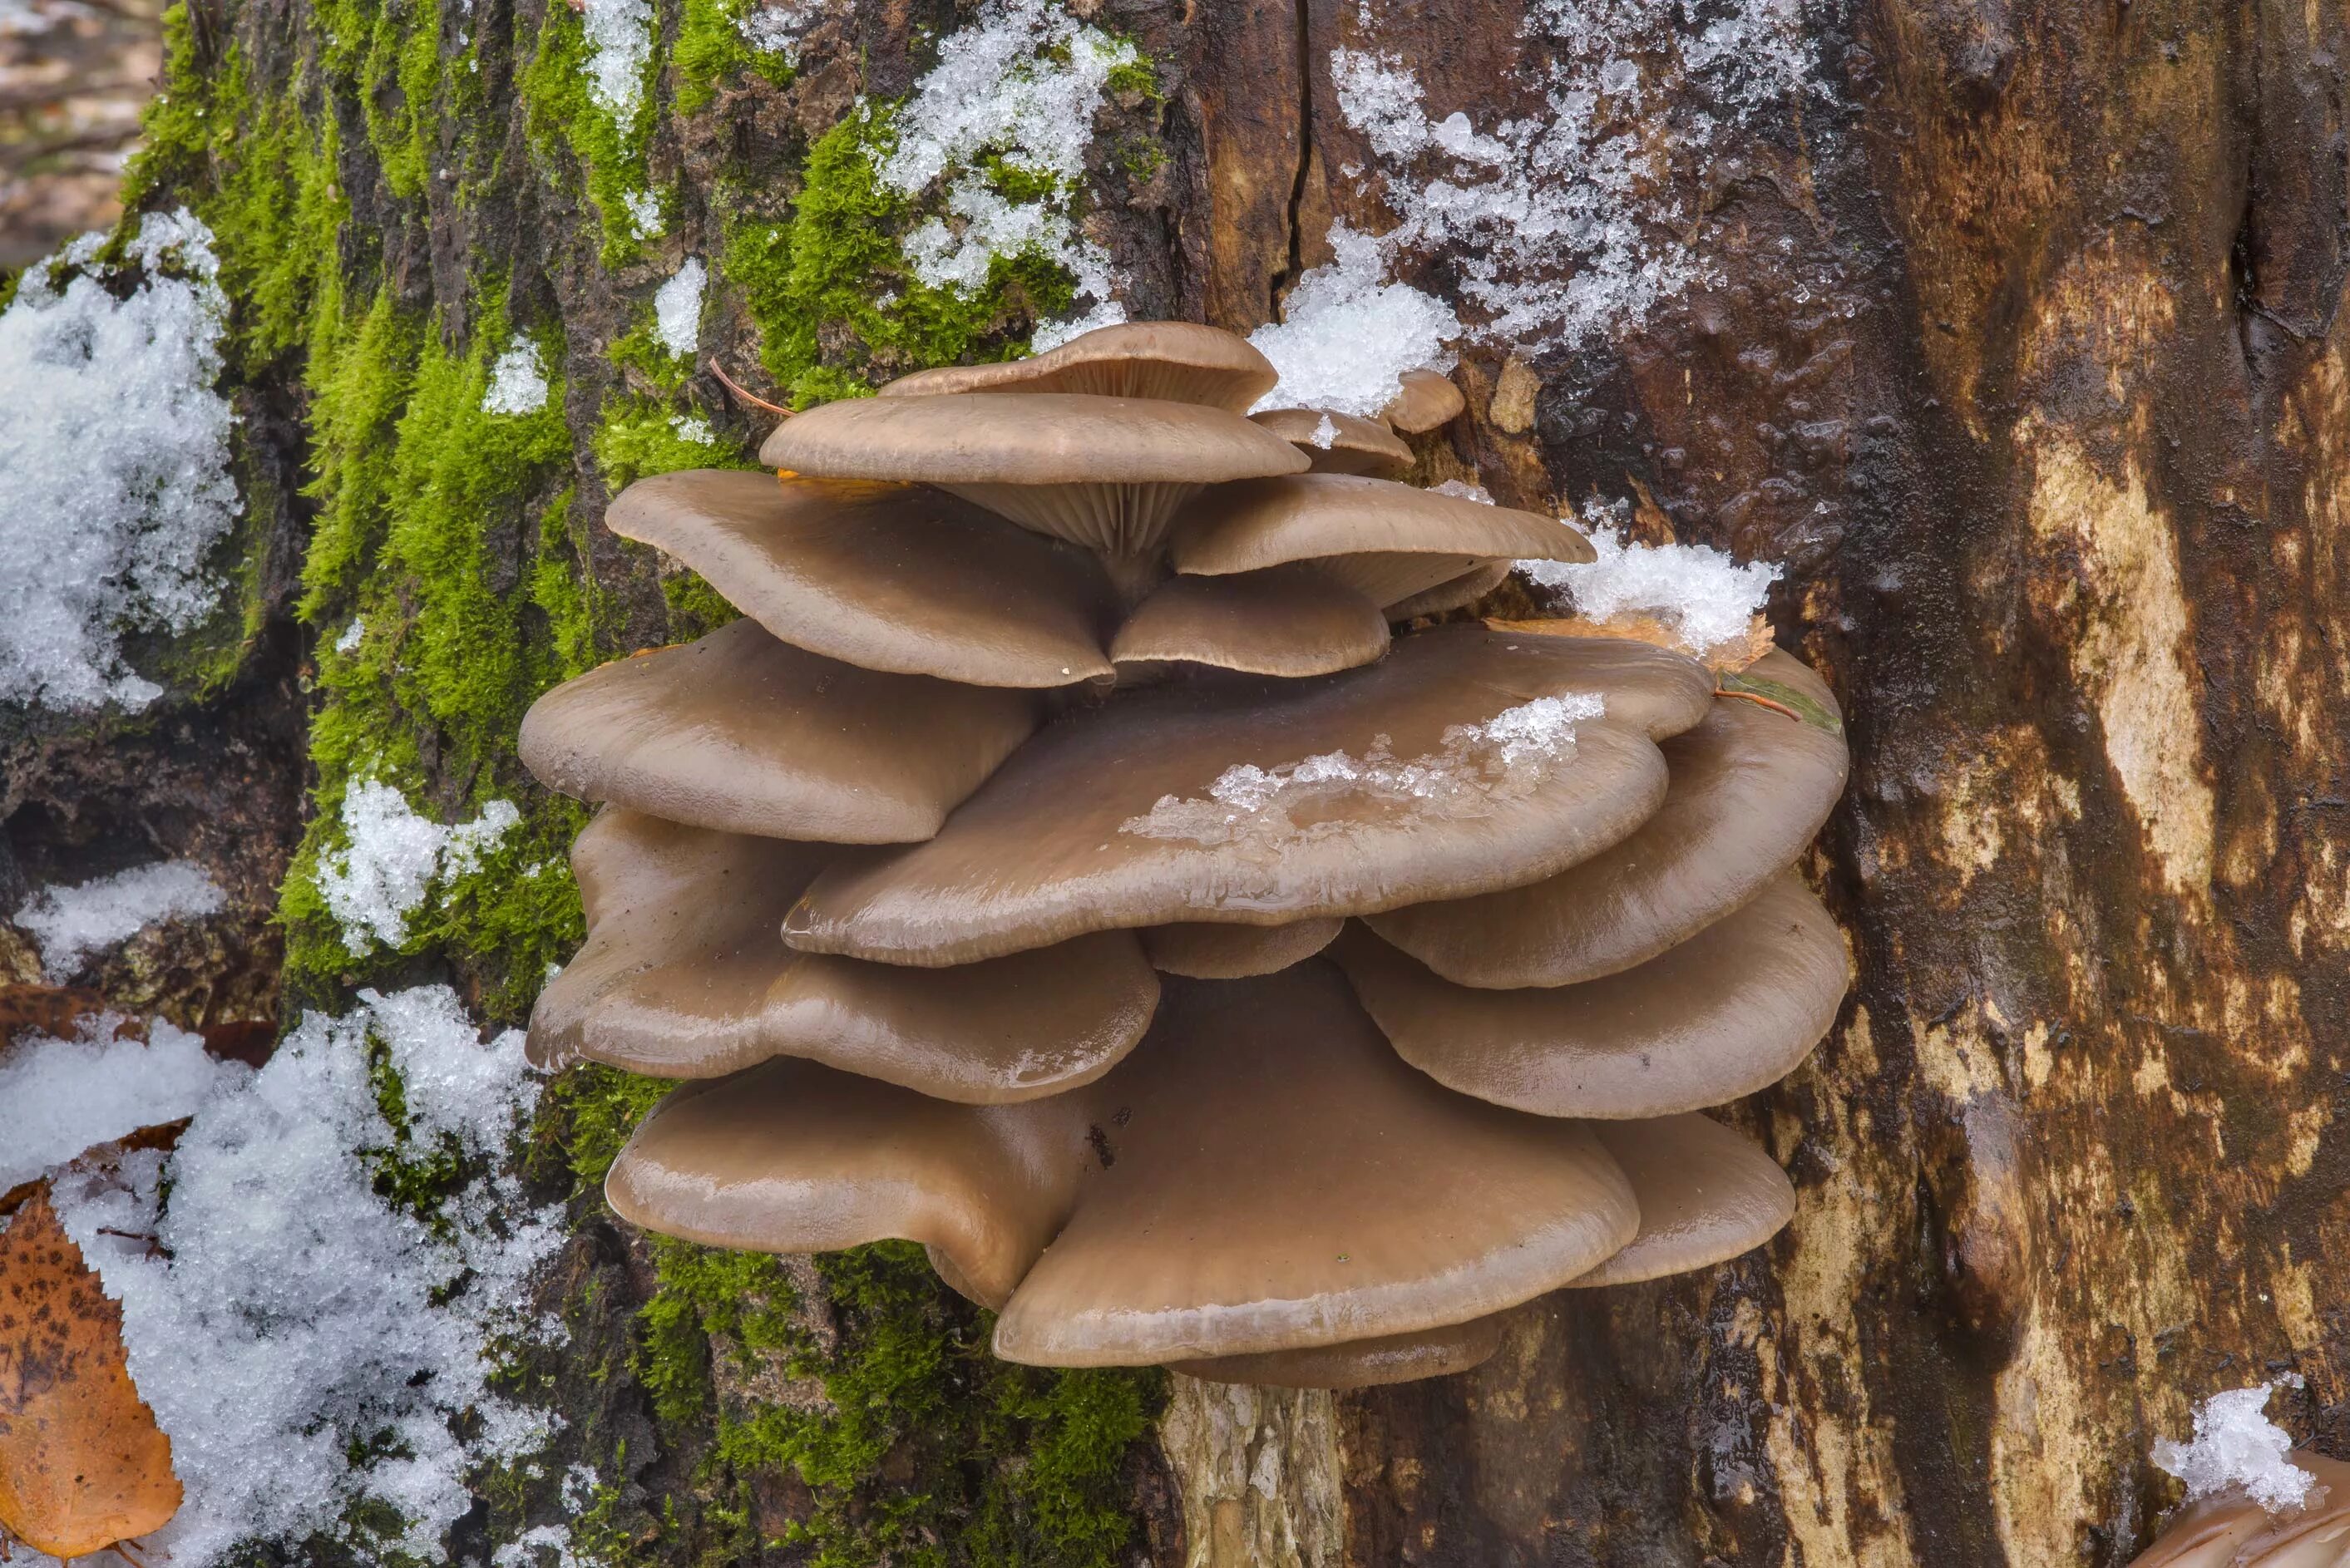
<point>1749,788</point>
<point>1731,1010</point>
<point>1362,1362</point>
<point>1177,361</point>
<point>1275,1180</point>
<point>1290,621</point>
<point>791,1157</point>
<point>896,577</point>
<point>1423,401</point>
<point>1706,1195</point>
<point>1356,446</point>
<point>743,732</point>
<point>1457,763</point>
<point>1453,593</point>
<point>1105,473</point>
<point>1388,540</point>
<point>1205,950</point>
<point>2230,1531</point>
<point>684,975</point>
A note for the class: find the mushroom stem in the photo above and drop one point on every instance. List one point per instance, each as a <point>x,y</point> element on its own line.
<point>1134,576</point>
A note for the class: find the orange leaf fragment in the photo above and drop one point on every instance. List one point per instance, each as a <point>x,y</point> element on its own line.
<point>1736,655</point>
<point>82,1464</point>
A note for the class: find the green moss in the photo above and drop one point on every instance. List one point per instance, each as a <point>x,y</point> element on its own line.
<point>570,130</point>
<point>710,50</point>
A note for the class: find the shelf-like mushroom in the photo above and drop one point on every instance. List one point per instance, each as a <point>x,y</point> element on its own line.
<point>1339,443</point>
<point>1729,1010</point>
<point>1423,401</point>
<point>1204,950</point>
<point>684,975</point>
<point>1362,1362</point>
<point>741,731</point>
<point>1291,621</point>
<point>2231,1530</point>
<point>897,577</point>
<point>1173,360</point>
<point>1466,759</point>
<point>1751,786</point>
<point>1109,473</point>
<point>1705,1193</point>
<point>1453,593</point>
<point>1389,541</point>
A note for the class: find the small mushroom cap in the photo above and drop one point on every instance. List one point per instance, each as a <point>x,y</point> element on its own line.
<point>1362,1362</point>
<point>1178,361</point>
<point>1105,473</point>
<point>1388,540</point>
<point>896,577</point>
<point>1444,768</point>
<point>1423,401</point>
<point>1751,786</point>
<point>1289,621</point>
<point>1204,950</point>
<point>1706,1195</point>
<point>1454,592</point>
<point>2230,1531</point>
<point>1354,446</point>
<point>1281,1182</point>
<point>790,1157</point>
<point>684,975</point>
<point>1731,1010</point>
<point>743,732</point>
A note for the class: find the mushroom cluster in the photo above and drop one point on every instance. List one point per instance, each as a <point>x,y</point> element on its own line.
<point>2232,1530</point>
<point>1067,864</point>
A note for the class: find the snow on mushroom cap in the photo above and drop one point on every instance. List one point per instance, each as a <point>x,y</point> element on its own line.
<point>1698,593</point>
<point>2236,1445</point>
<point>1347,334</point>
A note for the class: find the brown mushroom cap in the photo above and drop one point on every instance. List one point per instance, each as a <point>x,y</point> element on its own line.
<point>2230,1531</point>
<point>1264,804</point>
<point>1290,621</point>
<point>897,577</point>
<point>1204,950</point>
<point>1391,541</point>
<point>790,1157</point>
<point>1751,786</point>
<point>1105,473</point>
<point>1423,401</point>
<point>743,732</point>
<point>1452,593</point>
<point>1352,446</point>
<point>1362,1362</point>
<point>1731,1010</point>
<point>1178,361</point>
<point>684,975</point>
<point>1283,1182</point>
<point>1706,1195</point>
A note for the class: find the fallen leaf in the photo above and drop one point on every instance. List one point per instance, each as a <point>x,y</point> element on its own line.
<point>1735,655</point>
<point>98,1159</point>
<point>52,1010</point>
<point>83,1466</point>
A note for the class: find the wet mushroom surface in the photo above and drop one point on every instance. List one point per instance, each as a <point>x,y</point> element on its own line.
<point>1074,863</point>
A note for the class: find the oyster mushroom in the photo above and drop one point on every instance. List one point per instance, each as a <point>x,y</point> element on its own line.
<point>2232,1531</point>
<point>1173,360</point>
<point>683,976</point>
<point>1751,786</point>
<point>1362,1362</point>
<point>1204,950</point>
<point>1389,541</point>
<point>1468,759</point>
<point>743,732</point>
<point>1287,620</point>
<point>1454,592</point>
<point>1339,443</point>
<point>1705,1194</point>
<point>1107,473</point>
<point>885,577</point>
<point>1729,1010</point>
<point>1423,401</point>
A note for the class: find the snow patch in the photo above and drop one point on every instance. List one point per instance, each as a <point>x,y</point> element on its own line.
<point>393,858</point>
<point>1477,766</point>
<point>644,210</point>
<point>693,427</point>
<point>1462,490</point>
<point>349,640</point>
<point>1700,593</point>
<point>292,1317</point>
<point>677,309</point>
<point>60,1097</point>
<point>1018,87</point>
<point>1565,225</point>
<point>778,27</point>
<point>1322,434</point>
<point>71,923</point>
<point>517,380</point>
<point>114,476</point>
<point>2236,1445</point>
<point>1346,334</point>
<point>620,43</point>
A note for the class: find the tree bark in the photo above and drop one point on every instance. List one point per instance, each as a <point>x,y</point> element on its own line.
<point>2016,341</point>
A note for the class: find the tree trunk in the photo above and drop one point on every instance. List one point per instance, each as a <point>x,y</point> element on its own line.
<point>2009,332</point>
